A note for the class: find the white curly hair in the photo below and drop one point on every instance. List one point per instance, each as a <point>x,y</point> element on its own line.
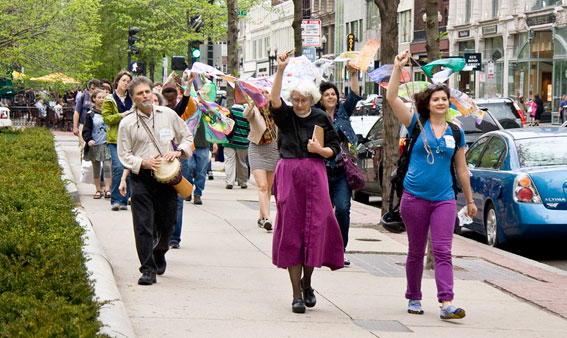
<point>305,88</point>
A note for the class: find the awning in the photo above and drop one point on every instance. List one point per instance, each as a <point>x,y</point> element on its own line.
<point>54,78</point>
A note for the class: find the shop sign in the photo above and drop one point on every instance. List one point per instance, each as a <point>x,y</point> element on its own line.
<point>489,30</point>
<point>473,61</point>
<point>540,19</point>
<point>464,34</point>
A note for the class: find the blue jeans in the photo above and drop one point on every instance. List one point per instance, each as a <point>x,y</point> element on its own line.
<point>117,169</point>
<point>176,237</point>
<point>198,163</point>
<point>340,197</point>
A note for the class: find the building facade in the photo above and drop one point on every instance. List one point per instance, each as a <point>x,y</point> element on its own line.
<point>523,46</point>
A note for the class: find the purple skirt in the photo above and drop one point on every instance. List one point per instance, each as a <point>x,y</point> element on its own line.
<point>306,230</point>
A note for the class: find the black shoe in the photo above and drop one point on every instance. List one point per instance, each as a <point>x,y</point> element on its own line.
<point>347,262</point>
<point>174,245</point>
<point>197,200</point>
<point>188,198</point>
<point>244,186</point>
<point>210,176</point>
<point>228,186</point>
<point>161,263</point>
<point>297,306</point>
<point>148,278</point>
<point>308,295</point>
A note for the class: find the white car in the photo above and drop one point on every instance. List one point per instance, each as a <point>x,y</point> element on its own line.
<point>5,117</point>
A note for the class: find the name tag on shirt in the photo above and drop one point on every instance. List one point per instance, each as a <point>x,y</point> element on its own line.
<point>167,135</point>
<point>449,141</point>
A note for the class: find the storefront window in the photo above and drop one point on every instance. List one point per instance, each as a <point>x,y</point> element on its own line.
<point>493,84</point>
<point>559,66</point>
<point>542,45</point>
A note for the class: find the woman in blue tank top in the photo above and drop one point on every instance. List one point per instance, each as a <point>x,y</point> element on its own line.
<point>428,201</point>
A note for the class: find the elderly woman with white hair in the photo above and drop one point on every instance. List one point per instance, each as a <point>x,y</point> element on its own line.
<point>306,233</point>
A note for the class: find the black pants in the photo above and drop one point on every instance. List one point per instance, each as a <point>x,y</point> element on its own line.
<point>154,212</point>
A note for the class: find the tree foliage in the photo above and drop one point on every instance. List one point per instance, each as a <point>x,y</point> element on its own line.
<point>165,28</point>
<point>54,35</point>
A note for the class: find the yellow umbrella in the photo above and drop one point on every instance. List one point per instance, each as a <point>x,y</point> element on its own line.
<point>18,76</point>
<point>54,78</point>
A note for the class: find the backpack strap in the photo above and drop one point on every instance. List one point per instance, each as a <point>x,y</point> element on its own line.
<point>457,136</point>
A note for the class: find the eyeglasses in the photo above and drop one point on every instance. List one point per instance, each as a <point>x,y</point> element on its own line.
<point>300,101</point>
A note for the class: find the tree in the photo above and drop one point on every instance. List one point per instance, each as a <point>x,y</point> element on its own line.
<point>432,47</point>
<point>232,47</point>
<point>297,18</point>
<point>388,50</point>
<point>44,38</point>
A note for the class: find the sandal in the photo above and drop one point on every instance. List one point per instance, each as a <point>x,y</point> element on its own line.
<point>97,195</point>
<point>107,194</point>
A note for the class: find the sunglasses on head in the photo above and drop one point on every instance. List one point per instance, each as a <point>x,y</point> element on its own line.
<point>434,86</point>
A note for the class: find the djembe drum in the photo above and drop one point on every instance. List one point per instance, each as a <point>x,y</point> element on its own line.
<point>169,172</point>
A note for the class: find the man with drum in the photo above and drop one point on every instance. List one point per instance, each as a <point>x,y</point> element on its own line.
<point>145,141</point>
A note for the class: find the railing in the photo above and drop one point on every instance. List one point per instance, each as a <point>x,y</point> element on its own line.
<point>31,116</point>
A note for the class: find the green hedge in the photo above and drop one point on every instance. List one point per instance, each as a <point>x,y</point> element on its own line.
<point>44,286</point>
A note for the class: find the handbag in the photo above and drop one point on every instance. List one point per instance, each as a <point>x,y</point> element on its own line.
<point>353,175</point>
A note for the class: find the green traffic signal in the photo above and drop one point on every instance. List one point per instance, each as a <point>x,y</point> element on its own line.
<point>196,53</point>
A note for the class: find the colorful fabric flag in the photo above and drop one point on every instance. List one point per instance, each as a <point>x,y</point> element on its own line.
<point>300,67</point>
<point>384,73</point>
<point>345,56</point>
<point>456,64</point>
<point>366,55</point>
<point>253,93</point>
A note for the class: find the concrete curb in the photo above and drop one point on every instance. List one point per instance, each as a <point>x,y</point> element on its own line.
<point>113,315</point>
<point>514,256</point>
<point>67,174</point>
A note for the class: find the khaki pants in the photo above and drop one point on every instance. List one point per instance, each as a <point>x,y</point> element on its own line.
<point>235,166</point>
<point>81,140</point>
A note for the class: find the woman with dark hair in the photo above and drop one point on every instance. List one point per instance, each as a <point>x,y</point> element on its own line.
<point>114,108</point>
<point>306,233</point>
<point>340,113</point>
<point>428,200</point>
<point>263,155</point>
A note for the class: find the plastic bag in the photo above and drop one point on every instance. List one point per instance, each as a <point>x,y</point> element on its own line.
<point>86,172</point>
<point>464,217</point>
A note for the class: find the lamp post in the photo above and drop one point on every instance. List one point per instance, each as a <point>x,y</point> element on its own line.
<point>272,60</point>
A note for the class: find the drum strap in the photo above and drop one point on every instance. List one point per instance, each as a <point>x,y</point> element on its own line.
<point>150,134</point>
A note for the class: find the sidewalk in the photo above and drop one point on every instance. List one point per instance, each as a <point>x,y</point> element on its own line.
<point>221,282</point>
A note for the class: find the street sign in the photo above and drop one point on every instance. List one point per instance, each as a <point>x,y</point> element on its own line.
<point>310,53</point>
<point>311,33</point>
<point>473,61</point>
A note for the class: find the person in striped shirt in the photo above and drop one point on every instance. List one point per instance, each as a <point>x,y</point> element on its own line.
<point>236,151</point>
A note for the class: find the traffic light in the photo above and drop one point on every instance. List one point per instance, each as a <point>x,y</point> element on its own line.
<point>350,42</point>
<point>195,50</point>
<point>132,39</point>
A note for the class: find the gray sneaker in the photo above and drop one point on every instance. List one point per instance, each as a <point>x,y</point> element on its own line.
<point>123,207</point>
<point>115,207</point>
<point>197,200</point>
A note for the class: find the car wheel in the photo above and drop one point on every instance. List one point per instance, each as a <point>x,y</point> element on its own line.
<point>361,197</point>
<point>491,224</point>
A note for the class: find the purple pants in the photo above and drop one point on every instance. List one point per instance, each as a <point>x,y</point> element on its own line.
<point>419,215</point>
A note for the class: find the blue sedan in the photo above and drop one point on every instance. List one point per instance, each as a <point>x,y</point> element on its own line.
<point>519,184</point>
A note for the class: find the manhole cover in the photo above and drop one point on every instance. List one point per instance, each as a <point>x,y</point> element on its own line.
<point>369,239</point>
<point>382,325</point>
